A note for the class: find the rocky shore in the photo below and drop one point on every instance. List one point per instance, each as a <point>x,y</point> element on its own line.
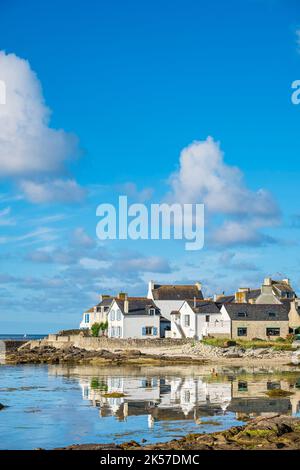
<point>99,351</point>
<point>71,354</point>
<point>263,433</point>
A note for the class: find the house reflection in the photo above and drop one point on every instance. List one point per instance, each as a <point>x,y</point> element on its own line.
<point>171,394</point>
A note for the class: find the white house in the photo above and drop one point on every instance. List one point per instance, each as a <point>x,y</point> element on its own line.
<point>196,319</point>
<point>97,314</point>
<point>133,317</point>
<point>170,297</point>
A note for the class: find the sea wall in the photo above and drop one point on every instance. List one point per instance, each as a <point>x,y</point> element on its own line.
<point>13,345</point>
<point>111,344</point>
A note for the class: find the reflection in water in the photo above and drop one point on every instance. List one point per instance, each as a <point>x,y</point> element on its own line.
<point>54,406</point>
<point>172,395</point>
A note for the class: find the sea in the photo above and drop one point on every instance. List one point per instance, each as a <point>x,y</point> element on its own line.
<point>49,406</point>
<point>21,337</point>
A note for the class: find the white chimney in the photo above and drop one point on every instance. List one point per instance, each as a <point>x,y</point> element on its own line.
<point>150,290</point>
<point>126,304</point>
<point>267,281</point>
<point>198,285</point>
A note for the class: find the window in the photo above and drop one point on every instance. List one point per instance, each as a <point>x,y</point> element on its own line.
<point>147,330</point>
<point>112,331</point>
<point>273,386</point>
<point>273,331</point>
<point>119,331</point>
<point>242,331</point>
<point>147,383</point>
<point>242,314</point>
<point>272,314</point>
<point>112,315</point>
<point>152,311</point>
<point>207,317</point>
<point>186,320</point>
<point>119,315</point>
<point>243,386</point>
<point>87,318</point>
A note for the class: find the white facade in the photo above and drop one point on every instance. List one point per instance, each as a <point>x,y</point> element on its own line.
<point>88,319</point>
<point>124,326</point>
<point>167,306</point>
<point>97,314</point>
<point>188,324</point>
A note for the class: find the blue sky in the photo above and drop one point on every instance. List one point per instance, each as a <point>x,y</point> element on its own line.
<point>130,85</point>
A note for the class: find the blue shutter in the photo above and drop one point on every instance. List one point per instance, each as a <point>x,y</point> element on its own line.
<point>144,331</point>
<point>154,331</point>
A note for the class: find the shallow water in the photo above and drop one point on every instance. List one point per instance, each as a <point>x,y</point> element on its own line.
<point>54,406</point>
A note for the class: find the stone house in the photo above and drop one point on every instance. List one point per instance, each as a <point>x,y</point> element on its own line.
<point>264,321</point>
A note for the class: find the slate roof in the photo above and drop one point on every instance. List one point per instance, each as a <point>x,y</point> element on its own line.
<point>258,312</point>
<point>137,305</point>
<point>282,286</point>
<point>225,299</point>
<point>253,293</point>
<point>176,292</point>
<point>204,307</point>
<point>106,302</point>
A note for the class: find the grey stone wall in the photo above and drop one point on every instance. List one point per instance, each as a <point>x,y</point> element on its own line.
<point>112,344</point>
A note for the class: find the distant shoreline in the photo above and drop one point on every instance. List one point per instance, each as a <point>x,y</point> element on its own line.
<point>17,337</point>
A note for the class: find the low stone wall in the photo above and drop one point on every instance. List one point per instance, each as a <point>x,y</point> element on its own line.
<point>13,345</point>
<point>111,344</point>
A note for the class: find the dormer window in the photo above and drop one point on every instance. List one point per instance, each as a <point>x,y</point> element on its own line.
<point>272,314</point>
<point>152,311</point>
<point>242,314</point>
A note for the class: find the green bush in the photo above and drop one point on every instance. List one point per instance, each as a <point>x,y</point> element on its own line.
<point>290,337</point>
<point>104,326</point>
<point>229,342</point>
<point>96,327</point>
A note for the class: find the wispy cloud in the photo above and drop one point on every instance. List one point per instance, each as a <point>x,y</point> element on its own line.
<point>55,191</point>
<point>5,219</point>
<point>298,39</point>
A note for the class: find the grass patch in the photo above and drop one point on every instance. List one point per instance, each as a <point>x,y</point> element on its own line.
<point>280,344</point>
<point>97,384</point>
<point>278,393</point>
<point>257,433</point>
<point>114,395</point>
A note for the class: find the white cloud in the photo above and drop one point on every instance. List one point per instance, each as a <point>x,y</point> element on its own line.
<point>81,239</point>
<point>27,144</point>
<point>154,264</point>
<point>298,39</point>
<point>240,233</point>
<point>131,190</point>
<point>5,219</point>
<point>57,190</point>
<point>204,177</point>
